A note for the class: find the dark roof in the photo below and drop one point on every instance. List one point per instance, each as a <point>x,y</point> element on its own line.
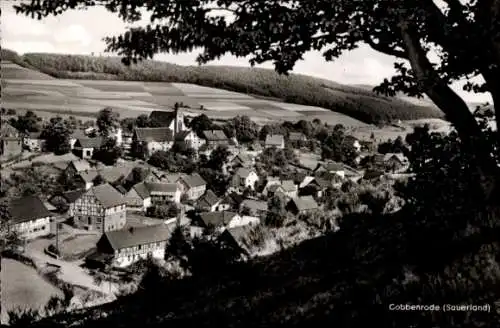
<point>208,199</point>
<point>77,134</point>
<point>89,142</point>
<point>217,219</point>
<point>193,180</point>
<point>274,139</point>
<point>80,165</point>
<point>234,198</point>
<point>161,187</point>
<point>305,203</point>
<point>121,189</point>
<point>165,118</point>
<point>334,166</point>
<point>215,135</point>
<point>240,236</point>
<point>322,183</point>
<point>154,134</point>
<point>181,136</point>
<point>107,195</point>
<point>372,174</point>
<point>72,195</point>
<point>135,236</point>
<point>34,135</point>
<point>27,208</point>
<point>141,190</point>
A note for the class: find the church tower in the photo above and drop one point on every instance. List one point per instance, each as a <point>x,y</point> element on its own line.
<point>179,120</point>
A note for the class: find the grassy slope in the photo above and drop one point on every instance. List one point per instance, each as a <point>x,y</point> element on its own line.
<point>356,102</point>
<point>342,280</point>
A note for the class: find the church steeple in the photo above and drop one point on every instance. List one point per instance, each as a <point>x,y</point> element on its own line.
<point>179,119</point>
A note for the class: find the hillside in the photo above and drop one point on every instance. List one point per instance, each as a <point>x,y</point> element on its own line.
<point>355,102</point>
<point>347,279</point>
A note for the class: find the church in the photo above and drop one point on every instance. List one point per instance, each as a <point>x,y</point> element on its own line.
<point>172,129</point>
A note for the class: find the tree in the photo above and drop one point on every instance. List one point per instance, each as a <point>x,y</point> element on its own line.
<point>27,122</point>
<point>245,129</point>
<point>107,120</point>
<point>201,123</point>
<point>466,33</point>
<point>109,152</point>
<point>218,158</point>
<point>57,135</point>
<point>276,214</point>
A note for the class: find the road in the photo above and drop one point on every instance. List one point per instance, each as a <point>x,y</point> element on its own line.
<point>70,272</point>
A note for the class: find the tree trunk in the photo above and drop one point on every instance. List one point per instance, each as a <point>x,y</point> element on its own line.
<point>455,109</point>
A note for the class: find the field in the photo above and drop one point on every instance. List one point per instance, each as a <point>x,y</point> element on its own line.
<point>86,84</point>
<point>23,287</point>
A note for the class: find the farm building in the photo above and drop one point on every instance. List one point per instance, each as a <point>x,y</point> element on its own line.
<point>30,218</point>
<point>151,140</point>
<point>10,141</point>
<point>215,138</point>
<point>302,205</point>
<point>127,246</point>
<point>33,141</point>
<point>275,140</point>
<point>85,147</point>
<point>193,186</point>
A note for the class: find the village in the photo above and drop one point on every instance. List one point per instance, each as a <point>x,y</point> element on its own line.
<point>122,188</point>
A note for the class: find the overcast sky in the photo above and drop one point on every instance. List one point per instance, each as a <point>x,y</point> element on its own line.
<point>81,32</point>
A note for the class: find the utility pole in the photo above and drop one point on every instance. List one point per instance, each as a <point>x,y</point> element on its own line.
<point>57,236</point>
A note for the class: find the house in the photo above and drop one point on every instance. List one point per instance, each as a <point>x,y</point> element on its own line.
<point>307,179</point>
<point>100,208</point>
<point>75,167</point>
<point>255,148</point>
<point>141,174</point>
<point>127,140</point>
<point>395,161</point>
<point>271,181</point>
<point>163,192</point>
<point>193,186</point>
<point>75,135</point>
<point>275,140</point>
<point>232,201</point>
<point>373,175</point>
<point>316,187</point>
<point>138,197</point>
<point>274,190</point>
<point>253,207</point>
<point>85,147</point>
<point>151,140</point>
<point>215,138</point>
<point>351,173</point>
<point>33,141</point>
<point>238,238</point>
<point>209,202</point>
<point>189,139</point>
<point>10,141</point>
<point>289,188</point>
<point>127,246</point>
<point>86,179</point>
<point>297,138</point>
<point>244,178</point>
<point>331,167</point>
<point>65,200</point>
<point>29,217</point>
<point>302,205</point>
<point>245,220</point>
<point>215,219</point>
<point>242,160</point>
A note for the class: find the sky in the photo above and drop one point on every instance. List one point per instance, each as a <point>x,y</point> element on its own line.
<point>81,32</point>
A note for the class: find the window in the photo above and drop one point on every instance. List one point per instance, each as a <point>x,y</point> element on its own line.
<point>140,246</point>
<point>89,219</point>
<point>99,220</point>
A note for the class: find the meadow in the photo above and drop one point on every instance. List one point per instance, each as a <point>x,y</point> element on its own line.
<point>23,287</point>
<point>152,84</point>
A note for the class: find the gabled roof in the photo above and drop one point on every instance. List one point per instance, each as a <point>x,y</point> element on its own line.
<point>27,208</point>
<point>158,187</point>
<point>165,118</point>
<point>121,189</point>
<point>333,167</point>
<point>89,142</point>
<point>135,236</point>
<point>297,136</point>
<point>288,185</point>
<point>72,195</point>
<point>77,134</point>
<point>305,203</point>
<point>7,130</point>
<point>398,156</point>
<point>254,204</point>
<point>89,176</point>
<point>34,135</point>
<point>141,190</point>
<point>234,198</point>
<point>107,195</point>
<point>194,180</point>
<point>80,165</point>
<point>306,181</point>
<point>114,173</point>
<point>208,199</point>
<point>243,172</point>
<point>274,140</point>
<point>172,177</point>
<point>215,135</point>
<point>240,235</point>
<point>323,183</point>
<point>372,174</point>
<point>154,134</point>
<point>242,158</point>
<point>217,219</point>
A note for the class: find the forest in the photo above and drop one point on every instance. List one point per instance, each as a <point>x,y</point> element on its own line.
<point>358,103</point>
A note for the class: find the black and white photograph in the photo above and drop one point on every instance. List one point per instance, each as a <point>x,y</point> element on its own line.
<point>250,163</point>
